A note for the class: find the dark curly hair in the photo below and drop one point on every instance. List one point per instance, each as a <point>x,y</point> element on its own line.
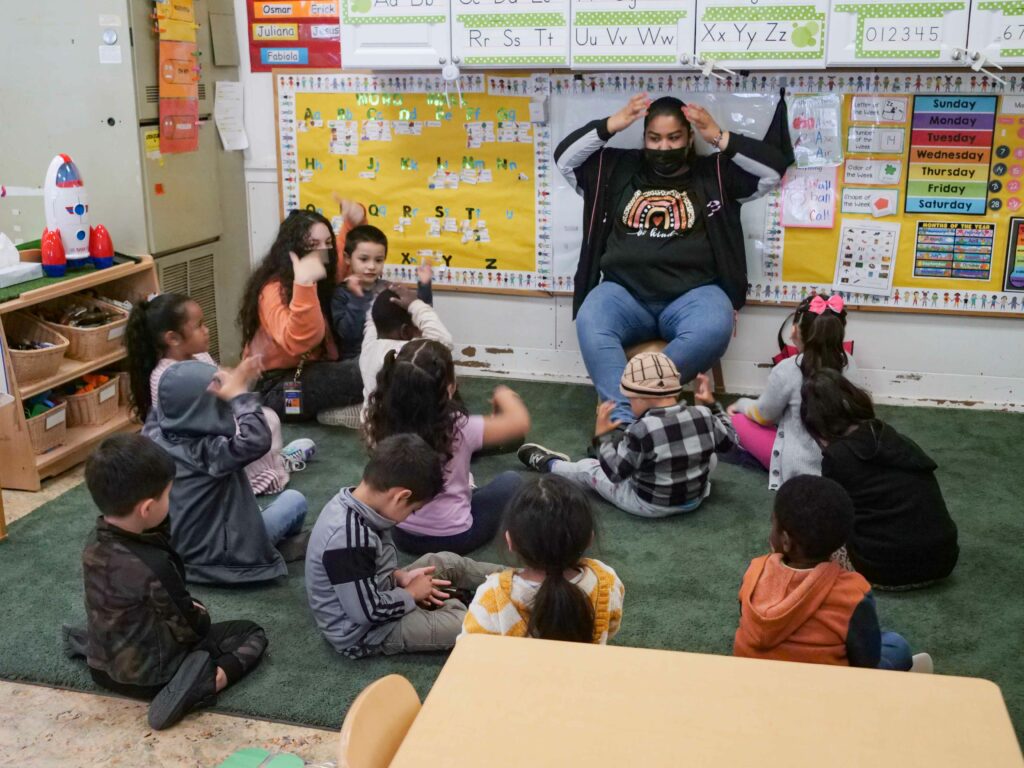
<point>149,321</point>
<point>412,395</point>
<point>293,236</point>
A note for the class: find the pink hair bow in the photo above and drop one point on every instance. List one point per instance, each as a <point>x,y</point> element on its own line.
<point>819,305</point>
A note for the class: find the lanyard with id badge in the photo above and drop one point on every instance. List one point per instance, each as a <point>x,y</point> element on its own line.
<point>293,388</point>
<point>293,392</point>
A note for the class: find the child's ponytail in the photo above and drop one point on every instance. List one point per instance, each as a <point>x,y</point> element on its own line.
<point>822,324</point>
<point>144,341</point>
<point>550,525</point>
<point>831,406</point>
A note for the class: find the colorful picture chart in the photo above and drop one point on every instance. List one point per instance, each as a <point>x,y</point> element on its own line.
<point>1014,281</point>
<point>954,249</point>
<point>951,145</point>
<point>298,34</point>
<point>495,32</point>
<point>867,257</point>
<point>459,182</point>
<point>737,32</point>
<point>641,32</point>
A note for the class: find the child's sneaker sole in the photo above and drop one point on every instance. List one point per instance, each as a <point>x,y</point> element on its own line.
<point>536,456</point>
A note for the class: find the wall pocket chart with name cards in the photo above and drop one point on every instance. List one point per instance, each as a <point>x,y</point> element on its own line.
<point>461,184</point>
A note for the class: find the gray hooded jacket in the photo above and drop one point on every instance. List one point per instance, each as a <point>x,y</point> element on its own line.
<point>216,524</point>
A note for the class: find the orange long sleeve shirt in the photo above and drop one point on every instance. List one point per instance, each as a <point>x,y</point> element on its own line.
<point>288,331</point>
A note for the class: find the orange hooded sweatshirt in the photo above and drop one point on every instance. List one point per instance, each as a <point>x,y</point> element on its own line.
<point>798,615</point>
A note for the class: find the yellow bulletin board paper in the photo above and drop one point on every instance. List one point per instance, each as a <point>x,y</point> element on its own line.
<point>980,242</point>
<point>462,184</point>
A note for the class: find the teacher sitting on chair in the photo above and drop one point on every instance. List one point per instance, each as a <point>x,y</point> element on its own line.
<point>663,254</point>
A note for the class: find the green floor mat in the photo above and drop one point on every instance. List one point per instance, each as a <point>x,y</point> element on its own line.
<point>681,574</point>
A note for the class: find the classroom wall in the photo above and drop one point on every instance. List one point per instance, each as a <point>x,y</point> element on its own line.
<point>905,358</point>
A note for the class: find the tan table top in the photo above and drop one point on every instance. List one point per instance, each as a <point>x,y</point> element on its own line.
<point>517,702</point>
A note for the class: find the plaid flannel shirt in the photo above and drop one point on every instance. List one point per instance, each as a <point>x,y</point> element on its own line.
<point>666,453</point>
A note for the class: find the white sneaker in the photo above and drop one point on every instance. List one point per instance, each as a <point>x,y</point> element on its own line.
<point>349,416</point>
<point>297,453</point>
<point>922,663</point>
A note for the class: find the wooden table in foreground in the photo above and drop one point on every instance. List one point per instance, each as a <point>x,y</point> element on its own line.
<point>516,702</point>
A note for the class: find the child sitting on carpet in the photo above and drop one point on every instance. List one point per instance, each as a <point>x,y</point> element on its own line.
<point>903,537</point>
<point>169,328</point>
<point>363,603</point>
<point>559,594</point>
<point>212,427</point>
<point>416,392</point>
<point>769,428</point>
<point>663,462</point>
<point>797,604</point>
<point>396,317</point>
<point>146,636</point>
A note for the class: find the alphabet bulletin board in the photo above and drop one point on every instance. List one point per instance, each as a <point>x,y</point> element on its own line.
<point>458,178</point>
<point>908,194</point>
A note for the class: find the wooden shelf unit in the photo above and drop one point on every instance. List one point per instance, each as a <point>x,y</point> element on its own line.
<point>20,467</point>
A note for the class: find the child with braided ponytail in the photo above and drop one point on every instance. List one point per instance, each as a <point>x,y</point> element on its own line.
<point>769,428</point>
<point>559,594</point>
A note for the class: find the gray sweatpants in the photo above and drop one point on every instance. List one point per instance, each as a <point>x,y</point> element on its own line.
<point>436,630</point>
<point>587,473</point>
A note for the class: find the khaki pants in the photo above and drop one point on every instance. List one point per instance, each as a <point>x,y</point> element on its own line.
<point>436,630</point>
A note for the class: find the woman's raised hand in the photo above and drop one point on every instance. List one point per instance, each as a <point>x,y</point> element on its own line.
<point>309,269</point>
<point>704,124</point>
<point>635,108</point>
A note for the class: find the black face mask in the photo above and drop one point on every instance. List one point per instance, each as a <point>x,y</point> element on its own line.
<point>666,162</point>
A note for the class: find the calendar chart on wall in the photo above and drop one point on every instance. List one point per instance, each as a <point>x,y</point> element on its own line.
<point>454,174</point>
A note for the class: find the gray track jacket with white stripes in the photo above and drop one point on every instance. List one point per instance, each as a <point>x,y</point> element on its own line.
<point>746,169</point>
<point>350,583</point>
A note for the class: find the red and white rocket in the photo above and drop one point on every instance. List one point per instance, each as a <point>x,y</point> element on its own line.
<point>68,240</point>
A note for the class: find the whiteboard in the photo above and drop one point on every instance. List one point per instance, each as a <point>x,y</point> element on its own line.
<point>745,113</point>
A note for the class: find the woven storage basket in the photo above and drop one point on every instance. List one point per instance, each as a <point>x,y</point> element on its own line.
<point>49,429</point>
<point>34,364</point>
<point>92,408</point>
<point>123,385</point>
<point>90,343</point>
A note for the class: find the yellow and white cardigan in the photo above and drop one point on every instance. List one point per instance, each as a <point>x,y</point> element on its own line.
<point>502,604</point>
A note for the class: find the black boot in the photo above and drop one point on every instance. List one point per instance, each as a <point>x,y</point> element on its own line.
<point>193,685</point>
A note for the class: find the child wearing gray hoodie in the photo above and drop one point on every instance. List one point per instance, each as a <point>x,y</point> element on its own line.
<point>212,427</point>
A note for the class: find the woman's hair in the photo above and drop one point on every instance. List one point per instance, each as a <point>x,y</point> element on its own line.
<point>551,525</point>
<point>412,396</point>
<point>667,106</point>
<point>830,406</point>
<point>149,321</point>
<point>292,237</point>
<point>821,335</point>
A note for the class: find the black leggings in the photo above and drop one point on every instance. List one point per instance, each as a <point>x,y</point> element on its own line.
<point>235,646</point>
<point>325,384</point>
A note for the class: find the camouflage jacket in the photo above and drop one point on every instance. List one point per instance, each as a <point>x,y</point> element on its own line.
<point>141,619</point>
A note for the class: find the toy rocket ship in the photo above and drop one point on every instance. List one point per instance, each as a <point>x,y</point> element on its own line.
<point>68,240</point>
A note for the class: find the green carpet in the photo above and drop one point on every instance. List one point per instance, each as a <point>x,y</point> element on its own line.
<point>681,574</point>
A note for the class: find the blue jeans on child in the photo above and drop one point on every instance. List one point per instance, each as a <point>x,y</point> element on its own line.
<point>284,517</point>
<point>697,326</point>
<point>895,652</point>
<point>587,473</point>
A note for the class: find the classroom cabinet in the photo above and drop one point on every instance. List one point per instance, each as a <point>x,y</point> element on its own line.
<point>997,31</point>
<point>897,33</point>
<point>395,34</point>
<point>637,34</point>
<point>762,34</point>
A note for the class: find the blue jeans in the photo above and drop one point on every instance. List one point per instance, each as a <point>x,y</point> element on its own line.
<point>895,653</point>
<point>697,327</point>
<point>284,517</point>
<point>487,507</point>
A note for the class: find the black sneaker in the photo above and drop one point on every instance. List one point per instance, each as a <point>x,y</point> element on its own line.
<point>74,640</point>
<point>293,548</point>
<point>193,685</point>
<point>536,457</point>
